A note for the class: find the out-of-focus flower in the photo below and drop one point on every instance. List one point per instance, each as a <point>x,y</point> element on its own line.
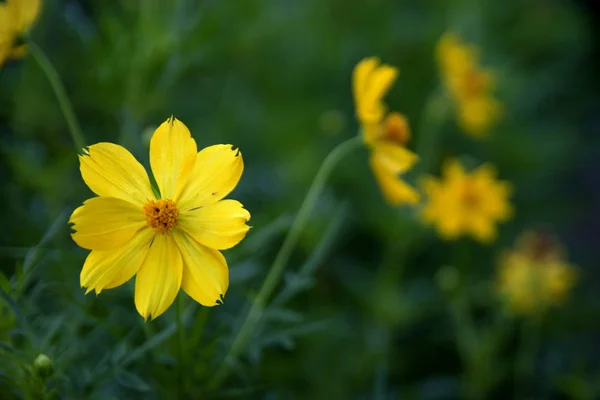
<point>465,203</point>
<point>16,17</point>
<point>385,135</point>
<point>535,275</point>
<point>170,240</point>
<point>469,86</point>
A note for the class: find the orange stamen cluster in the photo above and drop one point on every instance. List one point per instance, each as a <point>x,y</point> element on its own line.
<point>396,129</point>
<point>161,214</point>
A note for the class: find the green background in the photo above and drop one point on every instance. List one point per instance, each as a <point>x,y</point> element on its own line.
<point>373,318</point>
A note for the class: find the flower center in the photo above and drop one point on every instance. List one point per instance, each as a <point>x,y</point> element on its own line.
<point>470,197</point>
<point>475,82</point>
<point>395,128</point>
<point>161,214</point>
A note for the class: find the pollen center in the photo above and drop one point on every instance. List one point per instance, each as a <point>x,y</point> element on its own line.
<point>395,128</point>
<point>470,197</point>
<point>161,214</point>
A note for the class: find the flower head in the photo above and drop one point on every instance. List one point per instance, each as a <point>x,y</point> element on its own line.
<point>469,85</point>
<point>169,241</point>
<point>465,203</point>
<point>534,275</point>
<point>16,17</point>
<point>384,134</point>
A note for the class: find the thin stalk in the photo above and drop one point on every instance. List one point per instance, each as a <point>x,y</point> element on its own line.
<point>180,345</point>
<point>61,94</point>
<point>282,258</point>
<point>432,120</point>
<point>526,355</point>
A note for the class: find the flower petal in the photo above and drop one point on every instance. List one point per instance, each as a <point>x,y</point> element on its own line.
<point>25,12</point>
<point>171,148</point>
<point>103,223</point>
<point>394,158</point>
<point>218,226</point>
<point>159,278</point>
<point>105,269</point>
<point>111,171</point>
<point>217,170</point>
<point>360,75</point>
<point>205,272</point>
<point>394,189</point>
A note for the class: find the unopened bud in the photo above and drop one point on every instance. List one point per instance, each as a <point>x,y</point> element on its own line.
<point>42,365</point>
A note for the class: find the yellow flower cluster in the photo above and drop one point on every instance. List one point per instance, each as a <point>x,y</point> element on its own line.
<point>16,17</point>
<point>384,134</point>
<point>535,275</point>
<point>469,86</point>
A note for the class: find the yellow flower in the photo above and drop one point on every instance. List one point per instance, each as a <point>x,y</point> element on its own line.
<point>16,17</point>
<point>469,85</point>
<point>467,204</point>
<point>170,240</point>
<point>534,275</point>
<point>384,135</point>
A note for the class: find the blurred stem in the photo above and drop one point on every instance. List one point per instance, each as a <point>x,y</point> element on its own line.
<point>283,256</point>
<point>61,94</point>
<point>527,352</point>
<point>428,140</point>
<point>180,345</point>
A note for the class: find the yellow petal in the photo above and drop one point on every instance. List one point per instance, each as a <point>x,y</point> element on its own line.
<point>18,52</point>
<point>360,77</point>
<point>105,269</point>
<point>482,228</point>
<point>218,226</point>
<point>380,82</point>
<point>392,157</point>
<point>159,278</point>
<point>205,272</point>
<point>216,171</point>
<point>394,189</point>
<point>171,148</point>
<point>103,223</point>
<point>24,12</point>
<point>453,170</point>
<point>111,171</point>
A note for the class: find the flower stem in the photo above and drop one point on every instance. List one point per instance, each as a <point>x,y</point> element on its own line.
<point>526,355</point>
<point>180,345</point>
<point>61,94</point>
<point>433,117</point>
<point>274,275</point>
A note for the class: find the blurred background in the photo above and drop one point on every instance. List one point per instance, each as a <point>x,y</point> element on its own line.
<point>382,308</point>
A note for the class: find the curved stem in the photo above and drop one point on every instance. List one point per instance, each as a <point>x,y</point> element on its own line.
<point>61,94</point>
<point>433,117</point>
<point>274,275</point>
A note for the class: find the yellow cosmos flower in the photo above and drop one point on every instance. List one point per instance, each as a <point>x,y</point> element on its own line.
<point>535,275</point>
<point>469,85</point>
<point>170,241</point>
<point>16,17</point>
<point>384,135</point>
<point>467,203</point>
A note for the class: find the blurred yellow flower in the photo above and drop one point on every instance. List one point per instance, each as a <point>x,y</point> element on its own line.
<point>469,85</point>
<point>384,135</point>
<point>16,17</point>
<point>534,275</point>
<point>169,240</point>
<point>467,203</point>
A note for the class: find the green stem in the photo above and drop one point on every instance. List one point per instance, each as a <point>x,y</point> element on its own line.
<point>274,275</point>
<point>180,345</point>
<point>527,351</point>
<point>60,92</point>
<point>432,119</point>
